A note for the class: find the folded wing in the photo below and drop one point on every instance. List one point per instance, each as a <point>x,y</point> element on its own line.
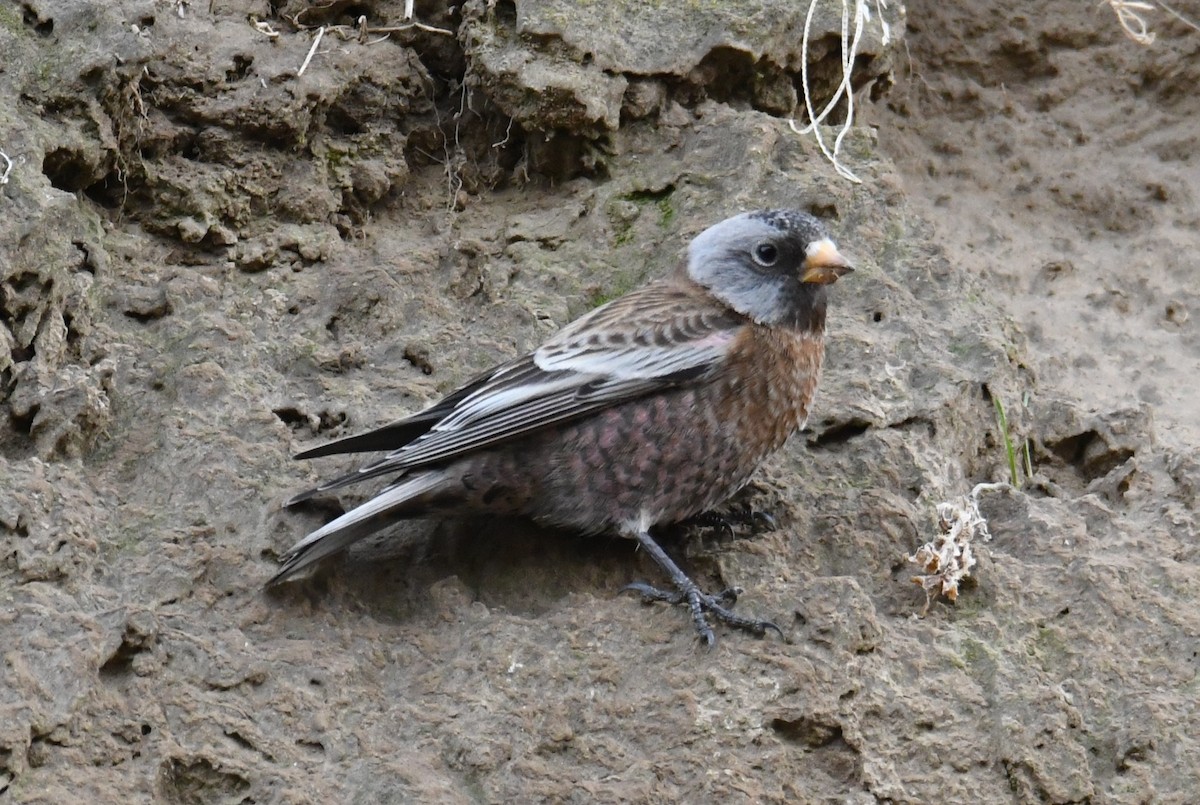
<point>656,338</point>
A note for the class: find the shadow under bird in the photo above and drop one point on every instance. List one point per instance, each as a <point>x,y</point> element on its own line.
<point>647,411</point>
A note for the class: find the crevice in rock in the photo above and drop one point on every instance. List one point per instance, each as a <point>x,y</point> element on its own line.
<point>198,779</point>
<point>241,67</point>
<point>916,422</point>
<point>121,661</point>
<point>297,419</point>
<point>240,740</point>
<point>1090,454</point>
<point>291,416</point>
<point>808,731</point>
<point>23,423</point>
<point>839,433</point>
<point>67,169</point>
<point>33,18</point>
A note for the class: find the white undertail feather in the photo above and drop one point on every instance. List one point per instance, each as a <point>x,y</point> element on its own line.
<point>376,513</point>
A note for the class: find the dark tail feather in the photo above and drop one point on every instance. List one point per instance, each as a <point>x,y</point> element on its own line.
<point>389,437</point>
<point>361,474</point>
<point>398,434</point>
<point>406,498</point>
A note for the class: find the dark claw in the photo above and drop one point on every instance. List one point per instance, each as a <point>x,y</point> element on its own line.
<point>765,519</point>
<point>700,603</point>
<point>651,594</point>
<point>729,595</point>
<point>711,519</point>
<point>752,625</point>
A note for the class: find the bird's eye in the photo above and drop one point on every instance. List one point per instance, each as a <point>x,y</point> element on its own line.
<point>765,254</point>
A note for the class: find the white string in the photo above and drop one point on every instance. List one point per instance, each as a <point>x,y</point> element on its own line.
<point>862,15</point>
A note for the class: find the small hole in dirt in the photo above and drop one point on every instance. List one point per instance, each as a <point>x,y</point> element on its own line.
<point>27,279</point>
<point>344,121</point>
<point>87,262</point>
<point>241,68</point>
<point>146,21</point>
<point>840,433</point>
<point>121,662</point>
<point>292,417</point>
<point>34,20</point>
<point>877,316</point>
<point>152,314</point>
<point>22,354</point>
<point>506,13</point>
<point>67,169</point>
<point>727,75</point>
<point>147,729</point>
<point>93,76</point>
<point>73,335</point>
<point>24,424</point>
<point>110,192</point>
<point>810,732</point>
<point>1176,312</point>
<point>824,210</point>
<point>239,739</point>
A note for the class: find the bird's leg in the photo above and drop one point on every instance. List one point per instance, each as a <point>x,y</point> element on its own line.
<point>689,593</point>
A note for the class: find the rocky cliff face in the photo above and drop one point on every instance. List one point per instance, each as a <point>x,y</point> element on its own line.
<point>210,260</point>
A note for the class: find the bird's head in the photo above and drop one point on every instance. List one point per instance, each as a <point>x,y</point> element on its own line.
<point>769,265</point>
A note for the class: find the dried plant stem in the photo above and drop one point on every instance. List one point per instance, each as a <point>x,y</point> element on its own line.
<point>311,51</point>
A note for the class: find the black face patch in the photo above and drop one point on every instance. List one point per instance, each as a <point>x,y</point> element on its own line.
<point>805,302</point>
<point>754,262</point>
<point>781,253</point>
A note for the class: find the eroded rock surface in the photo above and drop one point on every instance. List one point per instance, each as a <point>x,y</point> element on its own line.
<point>209,261</point>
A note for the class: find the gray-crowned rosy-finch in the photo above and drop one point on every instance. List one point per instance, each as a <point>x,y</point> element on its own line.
<point>648,410</point>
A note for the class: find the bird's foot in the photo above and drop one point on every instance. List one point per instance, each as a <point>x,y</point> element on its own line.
<point>699,603</point>
<point>726,521</point>
<point>651,594</point>
<point>763,521</point>
<point>711,519</point>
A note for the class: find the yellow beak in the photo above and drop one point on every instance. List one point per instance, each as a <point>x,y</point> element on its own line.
<point>824,263</point>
